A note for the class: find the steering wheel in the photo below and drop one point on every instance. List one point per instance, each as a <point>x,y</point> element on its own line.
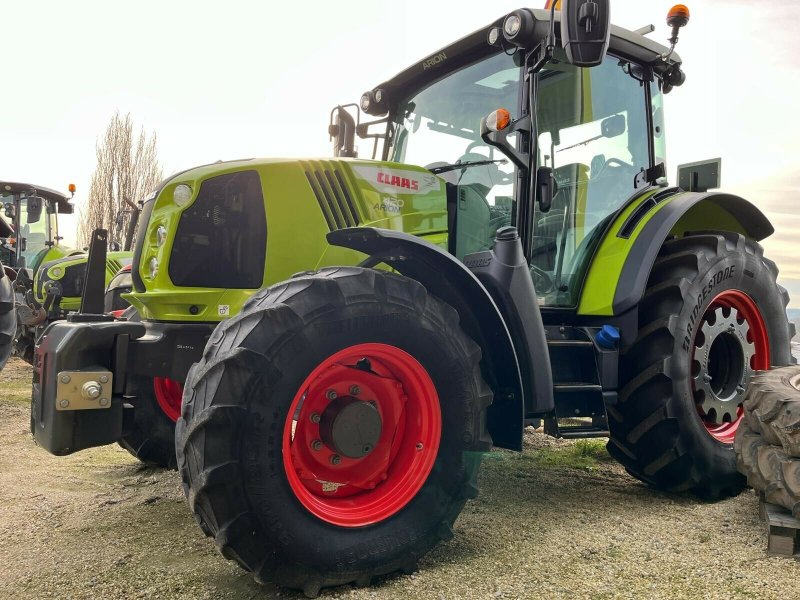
<point>542,280</point>
<point>611,162</point>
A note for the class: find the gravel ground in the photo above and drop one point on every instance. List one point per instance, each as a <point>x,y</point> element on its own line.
<point>558,521</point>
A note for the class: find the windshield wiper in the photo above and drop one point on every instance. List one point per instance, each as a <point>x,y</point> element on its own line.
<point>595,138</point>
<point>465,165</point>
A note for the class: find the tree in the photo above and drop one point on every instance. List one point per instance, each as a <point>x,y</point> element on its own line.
<point>127,170</point>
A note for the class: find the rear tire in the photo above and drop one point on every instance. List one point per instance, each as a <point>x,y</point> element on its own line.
<point>712,307</point>
<point>768,441</point>
<point>245,408</point>
<point>8,319</point>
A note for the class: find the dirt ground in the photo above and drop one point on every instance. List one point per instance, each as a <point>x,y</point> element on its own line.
<point>560,520</point>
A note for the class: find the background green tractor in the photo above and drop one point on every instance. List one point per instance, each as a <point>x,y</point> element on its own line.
<point>47,277</point>
<point>514,255</point>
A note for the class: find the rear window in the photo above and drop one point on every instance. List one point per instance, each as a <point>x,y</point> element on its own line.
<point>221,240</point>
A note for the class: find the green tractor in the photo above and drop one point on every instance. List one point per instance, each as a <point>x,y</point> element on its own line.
<point>339,341</point>
<point>46,277</point>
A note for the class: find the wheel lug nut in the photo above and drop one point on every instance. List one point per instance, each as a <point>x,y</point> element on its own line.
<point>316,445</point>
<point>355,390</point>
<point>331,394</point>
<point>315,417</point>
<point>336,459</point>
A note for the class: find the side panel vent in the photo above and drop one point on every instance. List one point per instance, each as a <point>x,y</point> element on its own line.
<point>637,215</point>
<point>333,195</point>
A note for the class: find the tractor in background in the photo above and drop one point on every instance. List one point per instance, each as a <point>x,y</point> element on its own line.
<point>337,342</point>
<point>46,277</point>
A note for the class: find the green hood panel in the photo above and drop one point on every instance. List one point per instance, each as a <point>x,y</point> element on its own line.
<point>303,200</point>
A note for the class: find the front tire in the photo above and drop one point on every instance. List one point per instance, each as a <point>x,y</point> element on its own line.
<point>151,437</point>
<point>371,351</point>
<point>712,314</point>
<point>8,319</point>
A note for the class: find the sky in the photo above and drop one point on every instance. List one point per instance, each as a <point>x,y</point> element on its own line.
<point>236,79</point>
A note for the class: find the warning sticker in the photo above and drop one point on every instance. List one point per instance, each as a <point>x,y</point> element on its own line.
<point>224,310</point>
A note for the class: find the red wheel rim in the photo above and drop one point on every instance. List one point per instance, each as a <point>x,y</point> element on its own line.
<point>359,491</point>
<point>760,360</point>
<point>169,395</point>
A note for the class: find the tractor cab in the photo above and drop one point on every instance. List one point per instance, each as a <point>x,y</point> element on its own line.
<point>29,225</point>
<point>590,129</point>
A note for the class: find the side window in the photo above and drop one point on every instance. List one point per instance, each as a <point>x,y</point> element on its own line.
<point>592,127</point>
<point>659,131</point>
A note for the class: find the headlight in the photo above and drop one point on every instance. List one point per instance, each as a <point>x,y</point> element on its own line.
<point>161,235</point>
<point>152,266</point>
<point>56,272</point>
<point>182,195</point>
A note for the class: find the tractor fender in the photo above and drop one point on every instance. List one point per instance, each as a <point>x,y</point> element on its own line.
<point>450,280</point>
<point>676,215</point>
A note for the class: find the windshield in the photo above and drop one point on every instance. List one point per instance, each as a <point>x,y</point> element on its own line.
<point>592,130</point>
<point>34,234</point>
<point>440,126</point>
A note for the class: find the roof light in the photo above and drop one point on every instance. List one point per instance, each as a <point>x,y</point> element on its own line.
<point>494,35</point>
<point>71,188</point>
<point>678,15</point>
<point>366,101</point>
<point>512,24</point>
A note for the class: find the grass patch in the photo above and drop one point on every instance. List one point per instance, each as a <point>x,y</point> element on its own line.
<point>583,454</point>
<point>16,385</point>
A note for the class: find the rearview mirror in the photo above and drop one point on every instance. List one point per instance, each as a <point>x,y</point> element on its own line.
<point>585,31</point>
<point>546,188</point>
<point>612,126</point>
<point>34,209</point>
<point>342,130</point>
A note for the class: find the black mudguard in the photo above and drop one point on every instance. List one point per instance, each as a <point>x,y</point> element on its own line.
<point>639,262</point>
<point>450,280</point>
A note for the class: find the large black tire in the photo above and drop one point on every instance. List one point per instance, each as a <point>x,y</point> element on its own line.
<point>237,400</point>
<point>151,437</point>
<point>656,430</point>
<point>768,441</point>
<point>8,319</point>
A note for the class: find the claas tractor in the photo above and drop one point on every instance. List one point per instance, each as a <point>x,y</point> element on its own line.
<point>46,276</point>
<point>334,344</point>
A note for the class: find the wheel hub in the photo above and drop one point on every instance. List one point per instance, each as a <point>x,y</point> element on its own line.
<point>724,359</point>
<point>350,427</point>
<point>362,434</point>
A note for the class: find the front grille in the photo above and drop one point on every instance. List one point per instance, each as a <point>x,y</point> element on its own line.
<point>221,238</point>
<point>333,195</point>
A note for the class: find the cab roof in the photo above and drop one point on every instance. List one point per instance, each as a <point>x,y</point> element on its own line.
<point>27,189</point>
<point>475,46</point>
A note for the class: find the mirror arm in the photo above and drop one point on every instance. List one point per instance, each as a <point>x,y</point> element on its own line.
<point>499,139</point>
